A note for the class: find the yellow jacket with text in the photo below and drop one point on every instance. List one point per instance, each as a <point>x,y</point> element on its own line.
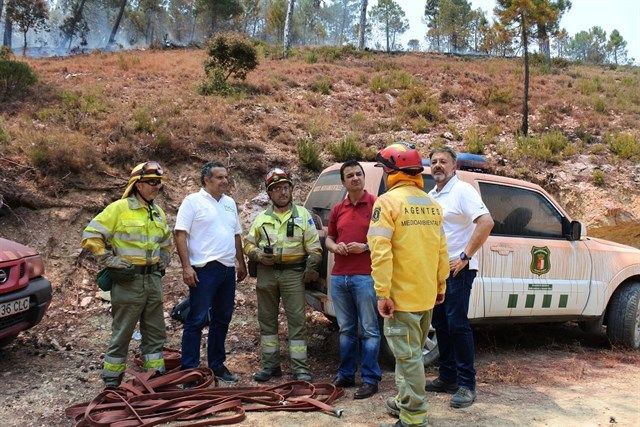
<point>408,247</point>
<point>135,232</point>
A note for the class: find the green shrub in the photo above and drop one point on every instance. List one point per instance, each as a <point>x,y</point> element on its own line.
<point>309,154</point>
<point>597,149</point>
<point>214,83</point>
<point>547,147</point>
<point>5,53</point>
<point>474,142</point>
<point>15,78</point>
<point>600,106</point>
<point>498,95</point>
<point>361,80</point>
<point>229,55</point>
<point>597,177</point>
<point>322,85</point>
<point>624,145</point>
<point>379,84</point>
<point>417,103</point>
<point>396,79</point>
<point>589,86</point>
<point>58,153</point>
<point>142,120</point>
<point>584,135</point>
<point>5,139</point>
<point>347,148</point>
<point>91,104</point>
<point>311,57</point>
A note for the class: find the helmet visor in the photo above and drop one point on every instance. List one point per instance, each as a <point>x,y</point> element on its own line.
<point>151,168</point>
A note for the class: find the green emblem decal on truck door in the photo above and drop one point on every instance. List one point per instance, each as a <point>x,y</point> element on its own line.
<point>540,260</point>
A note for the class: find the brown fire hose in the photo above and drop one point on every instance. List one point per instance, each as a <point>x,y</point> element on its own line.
<point>148,400</point>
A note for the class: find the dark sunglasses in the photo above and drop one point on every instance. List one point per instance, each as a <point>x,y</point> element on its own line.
<point>153,182</point>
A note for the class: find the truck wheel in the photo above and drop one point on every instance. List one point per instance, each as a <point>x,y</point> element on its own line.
<point>430,353</point>
<point>623,326</point>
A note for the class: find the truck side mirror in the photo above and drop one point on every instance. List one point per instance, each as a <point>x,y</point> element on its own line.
<point>577,230</point>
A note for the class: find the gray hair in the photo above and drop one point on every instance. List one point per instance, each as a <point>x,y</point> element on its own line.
<point>444,149</point>
<point>205,172</point>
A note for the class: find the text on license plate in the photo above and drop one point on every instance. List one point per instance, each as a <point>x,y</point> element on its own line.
<point>13,307</point>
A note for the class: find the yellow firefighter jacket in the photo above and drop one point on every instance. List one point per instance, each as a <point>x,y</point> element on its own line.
<point>408,248</point>
<point>292,236</point>
<point>135,232</point>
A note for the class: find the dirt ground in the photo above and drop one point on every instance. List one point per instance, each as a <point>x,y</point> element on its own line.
<point>539,375</point>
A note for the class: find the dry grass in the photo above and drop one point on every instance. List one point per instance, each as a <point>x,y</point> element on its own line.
<point>132,105</point>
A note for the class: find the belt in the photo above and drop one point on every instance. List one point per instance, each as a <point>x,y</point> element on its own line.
<point>288,266</point>
<point>146,269</point>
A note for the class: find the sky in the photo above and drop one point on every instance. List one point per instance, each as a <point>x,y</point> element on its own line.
<point>623,15</point>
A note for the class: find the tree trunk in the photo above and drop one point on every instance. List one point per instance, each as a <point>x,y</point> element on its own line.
<point>116,25</point>
<point>287,28</point>
<point>363,24</point>
<point>24,44</point>
<point>386,30</point>
<point>8,30</point>
<point>77,15</point>
<point>525,98</point>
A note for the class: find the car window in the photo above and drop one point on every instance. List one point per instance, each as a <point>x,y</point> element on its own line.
<point>327,192</point>
<point>521,212</point>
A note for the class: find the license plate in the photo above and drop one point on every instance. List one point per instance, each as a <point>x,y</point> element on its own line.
<point>13,307</point>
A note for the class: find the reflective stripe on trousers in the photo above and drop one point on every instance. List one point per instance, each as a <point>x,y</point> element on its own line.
<point>154,361</point>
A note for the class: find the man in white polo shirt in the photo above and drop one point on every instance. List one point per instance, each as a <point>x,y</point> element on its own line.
<point>467,224</point>
<point>207,235</point>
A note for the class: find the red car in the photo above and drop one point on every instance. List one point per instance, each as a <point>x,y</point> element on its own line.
<point>24,293</point>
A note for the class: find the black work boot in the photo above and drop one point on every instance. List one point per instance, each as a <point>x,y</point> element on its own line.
<point>265,374</point>
<point>463,398</point>
<point>439,386</point>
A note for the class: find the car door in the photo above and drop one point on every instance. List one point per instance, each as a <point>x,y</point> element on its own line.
<point>528,267</point>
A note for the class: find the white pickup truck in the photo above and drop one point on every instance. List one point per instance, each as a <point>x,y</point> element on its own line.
<point>538,265</point>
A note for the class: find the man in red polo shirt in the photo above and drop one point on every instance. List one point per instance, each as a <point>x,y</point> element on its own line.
<point>352,292</point>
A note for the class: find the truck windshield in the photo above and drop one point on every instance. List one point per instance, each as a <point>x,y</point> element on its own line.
<point>327,192</point>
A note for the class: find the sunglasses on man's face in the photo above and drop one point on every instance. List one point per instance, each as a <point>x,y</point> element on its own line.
<point>153,182</point>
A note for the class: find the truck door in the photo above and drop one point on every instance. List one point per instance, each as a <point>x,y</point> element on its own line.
<point>528,267</point>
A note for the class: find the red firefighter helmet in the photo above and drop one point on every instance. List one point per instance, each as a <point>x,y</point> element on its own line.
<point>275,176</point>
<point>401,156</point>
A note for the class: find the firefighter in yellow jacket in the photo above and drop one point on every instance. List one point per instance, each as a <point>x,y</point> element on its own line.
<point>131,238</point>
<point>283,240</point>
<point>410,266</point>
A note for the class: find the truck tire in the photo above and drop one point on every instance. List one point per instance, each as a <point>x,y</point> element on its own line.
<point>623,326</point>
<point>430,352</point>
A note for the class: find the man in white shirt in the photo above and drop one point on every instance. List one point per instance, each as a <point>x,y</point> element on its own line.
<point>467,224</point>
<point>207,235</point>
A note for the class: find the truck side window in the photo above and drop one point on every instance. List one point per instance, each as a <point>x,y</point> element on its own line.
<point>327,192</point>
<point>521,212</point>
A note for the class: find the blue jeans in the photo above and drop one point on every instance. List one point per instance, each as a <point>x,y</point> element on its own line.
<point>355,302</point>
<point>455,337</point>
<point>211,301</point>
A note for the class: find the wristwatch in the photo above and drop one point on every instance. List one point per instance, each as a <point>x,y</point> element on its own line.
<point>366,247</point>
<point>464,257</point>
